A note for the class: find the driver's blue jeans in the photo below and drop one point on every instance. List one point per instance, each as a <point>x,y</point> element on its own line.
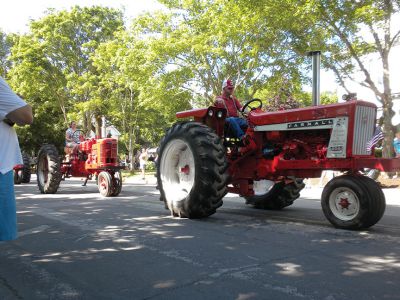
<point>236,125</point>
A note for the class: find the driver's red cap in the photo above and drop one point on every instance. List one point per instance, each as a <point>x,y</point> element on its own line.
<point>227,83</point>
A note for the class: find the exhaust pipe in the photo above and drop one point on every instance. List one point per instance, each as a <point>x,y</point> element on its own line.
<point>316,63</point>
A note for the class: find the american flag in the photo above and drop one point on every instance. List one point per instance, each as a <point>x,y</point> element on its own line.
<point>378,136</point>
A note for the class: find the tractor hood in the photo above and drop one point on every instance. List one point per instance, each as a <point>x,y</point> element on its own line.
<point>307,113</point>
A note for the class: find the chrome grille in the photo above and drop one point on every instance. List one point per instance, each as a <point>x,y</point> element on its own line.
<point>364,125</point>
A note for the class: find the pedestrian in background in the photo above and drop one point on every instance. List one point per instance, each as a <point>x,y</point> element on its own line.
<point>13,110</point>
<point>396,146</point>
<point>396,143</point>
<point>143,157</point>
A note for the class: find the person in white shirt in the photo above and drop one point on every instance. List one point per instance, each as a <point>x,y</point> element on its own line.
<point>13,110</point>
<point>143,161</point>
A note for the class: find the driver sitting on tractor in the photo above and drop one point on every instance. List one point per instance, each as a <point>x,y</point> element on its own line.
<point>72,138</point>
<point>232,105</point>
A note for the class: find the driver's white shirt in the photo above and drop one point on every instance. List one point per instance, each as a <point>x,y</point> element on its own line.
<point>10,153</point>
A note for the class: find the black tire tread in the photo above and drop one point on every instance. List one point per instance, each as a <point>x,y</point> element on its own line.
<point>17,177</point>
<point>54,176</point>
<point>117,184</point>
<point>281,195</point>
<point>378,200</point>
<point>369,193</point>
<point>211,166</point>
<point>26,172</point>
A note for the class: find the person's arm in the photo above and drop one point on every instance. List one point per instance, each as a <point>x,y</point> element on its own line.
<point>13,108</point>
<point>68,136</point>
<point>238,104</point>
<point>21,116</point>
<point>219,102</point>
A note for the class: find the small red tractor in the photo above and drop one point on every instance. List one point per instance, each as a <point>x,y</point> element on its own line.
<point>199,163</point>
<point>22,172</point>
<point>93,158</point>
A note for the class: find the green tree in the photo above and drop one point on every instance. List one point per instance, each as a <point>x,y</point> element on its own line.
<point>5,48</point>
<point>141,101</point>
<point>348,33</point>
<point>201,43</point>
<point>53,65</point>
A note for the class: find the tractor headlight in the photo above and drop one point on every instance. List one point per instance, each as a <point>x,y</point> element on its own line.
<point>210,113</point>
<point>219,114</point>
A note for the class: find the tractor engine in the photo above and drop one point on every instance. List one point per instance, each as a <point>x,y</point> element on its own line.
<point>101,153</point>
<point>297,145</point>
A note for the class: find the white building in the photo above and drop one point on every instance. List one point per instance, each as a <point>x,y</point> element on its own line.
<point>113,131</point>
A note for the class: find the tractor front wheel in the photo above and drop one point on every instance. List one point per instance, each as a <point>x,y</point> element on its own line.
<point>191,170</point>
<point>116,183</point>
<point>48,169</point>
<point>353,202</point>
<point>18,173</point>
<point>105,184</point>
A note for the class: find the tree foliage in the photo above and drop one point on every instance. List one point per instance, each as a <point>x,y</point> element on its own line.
<point>52,66</point>
<point>348,33</point>
<point>201,43</point>
<point>5,49</point>
<point>83,63</point>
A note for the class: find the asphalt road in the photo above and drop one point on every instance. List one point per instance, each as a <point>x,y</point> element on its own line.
<point>77,245</point>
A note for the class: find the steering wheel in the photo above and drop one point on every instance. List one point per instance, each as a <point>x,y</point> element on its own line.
<point>257,105</point>
<point>76,136</point>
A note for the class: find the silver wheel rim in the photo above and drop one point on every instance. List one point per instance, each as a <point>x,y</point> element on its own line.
<point>177,170</point>
<point>344,203</point>
<point>40,173</point>
<point>262,187</point>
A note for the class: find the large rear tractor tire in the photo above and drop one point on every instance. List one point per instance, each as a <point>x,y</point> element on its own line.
<point>48,169</point>
<point>353,202</point>
<point>26,171</point>
<point>191,170</point>
<point>275,196</point>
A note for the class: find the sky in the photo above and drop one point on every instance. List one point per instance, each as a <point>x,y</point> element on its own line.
<point>15,14</point>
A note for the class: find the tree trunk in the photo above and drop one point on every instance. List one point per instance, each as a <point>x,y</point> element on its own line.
<point>98,126</point>
<point>388,112</point>
<point>130,149</point>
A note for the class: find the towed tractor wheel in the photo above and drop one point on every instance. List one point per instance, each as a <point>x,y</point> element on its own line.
<point>116,184</point>
<point>18,173</point>
<point>191,170</point>
<point>275,196</point>
<point>26,171</point>
<point>48,169</point>
<point>353,202</point>
<point>23,175</point>
<point>105,184</point>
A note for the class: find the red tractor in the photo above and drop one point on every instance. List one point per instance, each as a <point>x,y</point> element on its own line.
<point>94,157</point>
<point>199,163</point>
